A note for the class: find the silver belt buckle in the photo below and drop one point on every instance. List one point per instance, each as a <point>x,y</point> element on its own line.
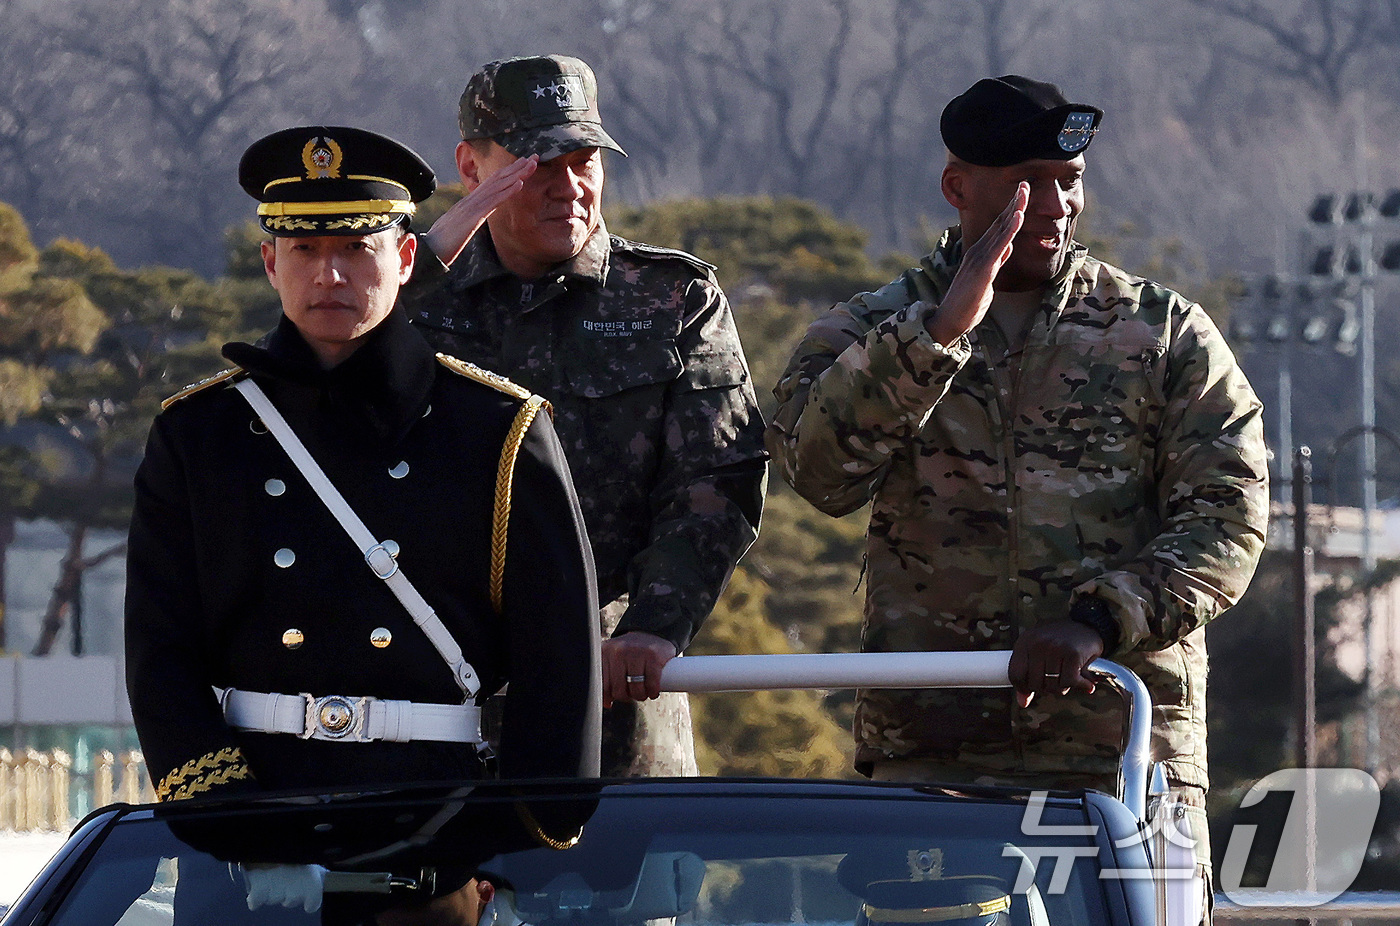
<point>335,717</point>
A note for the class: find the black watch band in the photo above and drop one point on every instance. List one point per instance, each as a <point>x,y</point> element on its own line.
<point>1094,613</point>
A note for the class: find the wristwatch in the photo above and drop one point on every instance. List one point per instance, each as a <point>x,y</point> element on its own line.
<point>1094,613</point>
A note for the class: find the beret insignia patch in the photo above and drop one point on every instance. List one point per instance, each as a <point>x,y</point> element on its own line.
<point>1077,131</point>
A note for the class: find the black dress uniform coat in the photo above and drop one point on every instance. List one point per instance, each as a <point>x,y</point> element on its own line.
<point>239,576</point>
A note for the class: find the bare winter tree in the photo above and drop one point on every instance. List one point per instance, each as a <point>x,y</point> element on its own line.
<point>184,91</point>
<point>918,35</point>
<point>1314,42</point>
<point>758,45</point>
<point>836,100</point>
<point>44,167</point>
<point>685,118</point>
<point>1003,28</point>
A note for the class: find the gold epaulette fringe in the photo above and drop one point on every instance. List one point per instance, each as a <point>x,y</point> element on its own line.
<point>505,477</point>
<point>522,810</point>
<point>201,385</point>
<point>204,774</point>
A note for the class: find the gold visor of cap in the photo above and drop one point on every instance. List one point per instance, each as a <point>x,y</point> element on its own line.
<point>340,207</point>
<point>938,914</point>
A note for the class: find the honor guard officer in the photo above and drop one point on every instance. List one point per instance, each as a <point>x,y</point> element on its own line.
<point>1063,461</point>
<point>637,350</point>
<point>338,544</point>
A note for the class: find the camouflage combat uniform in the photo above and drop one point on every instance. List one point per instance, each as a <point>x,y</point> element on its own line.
<point>1119,454</point>
<point>636,349</point>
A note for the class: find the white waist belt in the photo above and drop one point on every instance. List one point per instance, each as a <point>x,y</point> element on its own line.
<point>348,719</point>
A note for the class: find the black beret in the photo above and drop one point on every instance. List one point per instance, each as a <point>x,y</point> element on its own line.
<point>333,180</point>
<point>1006,120</point>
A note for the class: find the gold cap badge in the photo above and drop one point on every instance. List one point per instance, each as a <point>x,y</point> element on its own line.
<point>321,157</point>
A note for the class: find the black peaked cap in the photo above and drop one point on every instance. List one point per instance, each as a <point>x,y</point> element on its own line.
<point>333,180</point>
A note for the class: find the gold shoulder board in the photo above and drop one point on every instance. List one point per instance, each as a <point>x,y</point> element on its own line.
<point>485,377</point>
<point>200,386</point>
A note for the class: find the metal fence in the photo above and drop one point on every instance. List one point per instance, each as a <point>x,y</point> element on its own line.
<point>42,791</point>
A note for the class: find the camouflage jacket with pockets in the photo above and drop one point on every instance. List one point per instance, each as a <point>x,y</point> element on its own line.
<point>1123,459</point>
<point>636,348</point>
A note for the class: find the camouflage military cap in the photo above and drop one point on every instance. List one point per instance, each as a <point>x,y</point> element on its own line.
<point>1006,120</point>
<point>545,105</point>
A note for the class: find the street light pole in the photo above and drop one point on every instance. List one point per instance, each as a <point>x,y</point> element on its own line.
<point>1352,220</point>
<point>1350,263</point>
<point>1305,617</point>
<point>1368,477</point>
<point>1305,654</point>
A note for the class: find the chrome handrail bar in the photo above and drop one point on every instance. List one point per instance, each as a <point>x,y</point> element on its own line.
<point>1292,906</point>
<point>913,670</point>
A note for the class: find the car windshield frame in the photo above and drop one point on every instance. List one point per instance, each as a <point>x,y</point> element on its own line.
<point>574,852</point>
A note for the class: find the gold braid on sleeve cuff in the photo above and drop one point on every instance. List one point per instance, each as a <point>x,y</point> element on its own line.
<point>204,774</point>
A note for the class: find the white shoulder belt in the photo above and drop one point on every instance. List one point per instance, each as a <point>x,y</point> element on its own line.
<point>370,718</point>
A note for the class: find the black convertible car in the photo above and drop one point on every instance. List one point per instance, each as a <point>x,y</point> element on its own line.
<point>693,852</point>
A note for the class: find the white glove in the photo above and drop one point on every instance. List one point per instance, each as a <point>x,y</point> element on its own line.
<point>500,911</point>
<point>284,885</point>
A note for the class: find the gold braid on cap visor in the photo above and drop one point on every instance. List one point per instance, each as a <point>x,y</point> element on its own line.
<point>342,207</point>
<point>937,914</point>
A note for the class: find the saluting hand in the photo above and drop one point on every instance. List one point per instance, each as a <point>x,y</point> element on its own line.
<point>451,233</point>
<point>970,294</point>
